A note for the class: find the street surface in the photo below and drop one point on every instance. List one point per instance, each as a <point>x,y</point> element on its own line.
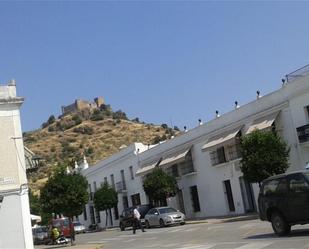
<point>252,234</point>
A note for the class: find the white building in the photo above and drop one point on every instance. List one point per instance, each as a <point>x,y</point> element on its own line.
<point>15,231</point>
<point>206,160</point>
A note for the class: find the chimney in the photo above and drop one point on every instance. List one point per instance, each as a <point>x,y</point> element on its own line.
<point>200,121</point>
<point>236,105</point>
<point>185,128</point>
<point>258,95</point>
<point>217,114</point>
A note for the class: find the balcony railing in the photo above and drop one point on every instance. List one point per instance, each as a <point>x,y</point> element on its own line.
<point>303,133</point>
<point>120,186</point>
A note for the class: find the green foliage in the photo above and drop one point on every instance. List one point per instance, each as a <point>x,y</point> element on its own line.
<point>64,194</point>
<point>263,154</point>
<point>120,115</point>
<point>164,126</point>
<point>77,119</point>
<point>176,128</point>
<point>51,119</point>
<point>105,198</point>
<point>97,115</point>
<point>35,205</point>
<point>158,185</point>
<point>83,130</point>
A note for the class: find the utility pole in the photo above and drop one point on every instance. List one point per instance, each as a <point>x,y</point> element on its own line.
<point>15,231</point>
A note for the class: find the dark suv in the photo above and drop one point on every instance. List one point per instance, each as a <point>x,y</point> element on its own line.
<point>126,219</point>
<point>284,201</point>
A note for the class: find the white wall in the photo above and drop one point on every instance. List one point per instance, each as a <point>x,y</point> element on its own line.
<point>15,229</point>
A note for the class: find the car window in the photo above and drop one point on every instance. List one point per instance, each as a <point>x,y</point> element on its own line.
<point>270,187</point>
<point>282,186</point>
<point>298,183</point>
<point>152,211</point>
<point>143,209</point>
<point>77,224</point>
<point>167,210</point>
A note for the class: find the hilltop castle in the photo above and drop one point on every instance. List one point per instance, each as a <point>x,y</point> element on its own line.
<point>80,105</point>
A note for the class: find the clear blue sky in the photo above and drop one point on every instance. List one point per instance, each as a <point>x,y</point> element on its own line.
<point>164,62</point>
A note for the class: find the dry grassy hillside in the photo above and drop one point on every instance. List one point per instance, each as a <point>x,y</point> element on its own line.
<point>66,140</point>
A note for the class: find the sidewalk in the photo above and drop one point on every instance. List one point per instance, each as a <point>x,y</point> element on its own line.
<point>223,219</point>
<point>68,246</point>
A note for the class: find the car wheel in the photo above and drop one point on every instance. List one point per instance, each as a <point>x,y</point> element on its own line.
<point>162,223</point>
<point>122,227</point>
<point>280,226</point>
<point>147,224</point>
<point>182,223</point>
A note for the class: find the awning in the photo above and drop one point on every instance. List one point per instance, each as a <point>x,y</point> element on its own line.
<point>220,139</point>
<point>146,169</point>
<point>174,158</point>
<point>36,218</point>
<point>263,123</point>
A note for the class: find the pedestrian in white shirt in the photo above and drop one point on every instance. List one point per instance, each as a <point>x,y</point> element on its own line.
<point>137,220</point>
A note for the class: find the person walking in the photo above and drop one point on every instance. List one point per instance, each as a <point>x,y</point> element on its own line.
<point>137,220</point>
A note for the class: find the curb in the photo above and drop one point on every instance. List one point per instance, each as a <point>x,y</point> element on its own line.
<point>223,219</point>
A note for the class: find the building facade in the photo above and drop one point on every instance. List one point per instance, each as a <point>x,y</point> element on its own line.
<point>206,160</point>
<point>14,202</point>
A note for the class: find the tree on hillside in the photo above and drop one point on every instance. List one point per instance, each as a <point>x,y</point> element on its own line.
<point>65,194</point>
<point>105,198</point>
<point>264,154</point>
<point>158,186</point>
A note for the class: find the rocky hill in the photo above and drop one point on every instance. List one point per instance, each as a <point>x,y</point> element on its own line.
<point>96,135</point>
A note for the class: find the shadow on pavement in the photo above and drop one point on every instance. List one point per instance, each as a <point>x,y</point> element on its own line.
<point>294,233</point>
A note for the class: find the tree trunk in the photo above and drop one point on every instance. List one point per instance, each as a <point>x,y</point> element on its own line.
<point>106,215</point>
<point>111,217</point>
<point>72,233</point>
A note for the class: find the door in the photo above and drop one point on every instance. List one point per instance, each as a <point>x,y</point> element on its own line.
<point>229,195</point>
<point>180,201</point>
<point>247,195</point>
<point>298,197</point>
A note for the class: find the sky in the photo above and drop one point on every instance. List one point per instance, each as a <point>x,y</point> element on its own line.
<point>167,62</point>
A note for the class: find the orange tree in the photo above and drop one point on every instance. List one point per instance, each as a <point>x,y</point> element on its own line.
<point>264,154</point>
<point>158,186</point>
<point>64,194</point>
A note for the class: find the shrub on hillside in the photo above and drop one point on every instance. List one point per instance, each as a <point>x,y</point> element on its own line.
<point>120,115</point>
<point>84,130</point>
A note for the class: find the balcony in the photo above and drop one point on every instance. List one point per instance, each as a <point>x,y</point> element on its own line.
<point>303,133</point>
<point>121,187</point>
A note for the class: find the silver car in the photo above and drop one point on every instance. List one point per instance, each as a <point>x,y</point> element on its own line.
<point>78,227</point>
<point>164,216</point>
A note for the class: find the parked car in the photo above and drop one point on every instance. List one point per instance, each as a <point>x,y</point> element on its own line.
<point>94,228</point>
<point>284,201</point>
<point>126,218</point>
<point>40,235</point>
<point>78,227</point>
<point>164,216</point>
<point>63,225</point>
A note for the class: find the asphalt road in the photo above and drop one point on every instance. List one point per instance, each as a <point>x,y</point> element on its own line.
<point>253,234</point>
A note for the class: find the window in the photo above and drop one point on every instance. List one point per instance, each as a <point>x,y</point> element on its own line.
<point>233,151</point>
<point>307,111</point>
<point>298,183</point>
<point>113,181</point>
<point>124,187</point>
<point>85,213</point>
<point>135,199</point>
<point>270,187</point>
<point>195,199</point>
<point>98,218</point>
<point>131,172</point>
<point>116,212</point>
<point>282,186</point>
<point>105,180</point>
<point>95,186</point>
<point>186,167</point>
<point>218,156</point>
<point>90,192</point>
<point>125,202</point>
<point>173,170</point>
<point>91,211</point>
